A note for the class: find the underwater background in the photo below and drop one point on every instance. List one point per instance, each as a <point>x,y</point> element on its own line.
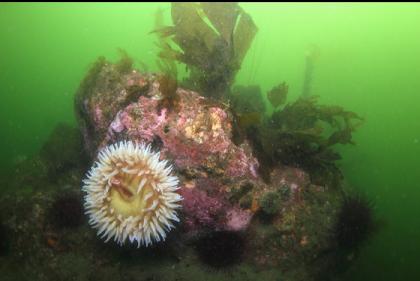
<point>368,62</point>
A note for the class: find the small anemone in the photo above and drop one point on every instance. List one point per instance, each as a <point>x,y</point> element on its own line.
<point>221,249</point>
<point>355,222</point>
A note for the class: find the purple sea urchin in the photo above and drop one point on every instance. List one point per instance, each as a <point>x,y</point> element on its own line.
<point>355,222</point>
<point>221,249</point>
<point>67,211</point>
<point>4,240</point>
<point>131,194</point>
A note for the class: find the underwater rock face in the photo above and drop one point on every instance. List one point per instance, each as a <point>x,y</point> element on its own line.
<point>194,134</point>
<point>221,249</point>
<point>219,182</point>
<point>63,150</point>
<point>214,205</point>
<point>67,211</point>
<point>103,92</point>
<point>212,212</point>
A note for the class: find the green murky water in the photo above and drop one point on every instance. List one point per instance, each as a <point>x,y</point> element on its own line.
<point>369,62</point>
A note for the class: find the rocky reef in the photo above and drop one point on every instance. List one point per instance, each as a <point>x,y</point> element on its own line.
<point>284,225</point>
<point>262,196</point>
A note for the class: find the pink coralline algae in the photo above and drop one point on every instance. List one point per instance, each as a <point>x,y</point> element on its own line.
<point>141,119</point>
<point>240,164</point>
<point>238,219</point>
<point>117,125</point>
<point>294,177</point>
<point>98,116</point>
<point>103,93</point>
<point>201,210</point>
<point>193,135</point>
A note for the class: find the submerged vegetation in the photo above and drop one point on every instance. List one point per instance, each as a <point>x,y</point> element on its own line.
<point>300,133</point>
<point>303,133</point>
<point>211,39</point>
<point>277,96</point>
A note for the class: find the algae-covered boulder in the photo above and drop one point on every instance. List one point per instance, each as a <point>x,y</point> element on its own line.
<point>282,222</point>
<point>63,150</point>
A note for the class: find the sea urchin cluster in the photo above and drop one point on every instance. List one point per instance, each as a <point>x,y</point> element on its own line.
<point>130,193</point>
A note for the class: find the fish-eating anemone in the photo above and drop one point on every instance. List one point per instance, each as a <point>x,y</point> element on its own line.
<point>130,194</point>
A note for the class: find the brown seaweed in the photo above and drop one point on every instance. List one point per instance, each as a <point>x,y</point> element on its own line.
<point>277,95</point>
<point>125,63</point>
<point>211,39</point>
<point>168,86</point>
<point>246,99</point>
<point>303,134</point>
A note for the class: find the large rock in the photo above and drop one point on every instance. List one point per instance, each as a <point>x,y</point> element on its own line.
<point>283,222</point>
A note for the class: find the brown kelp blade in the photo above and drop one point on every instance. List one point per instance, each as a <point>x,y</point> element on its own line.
<point>223,16</point>
<point>190,25</point>
<point>211,39</point>
<point>243,36</point>
<point>278,95</point>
